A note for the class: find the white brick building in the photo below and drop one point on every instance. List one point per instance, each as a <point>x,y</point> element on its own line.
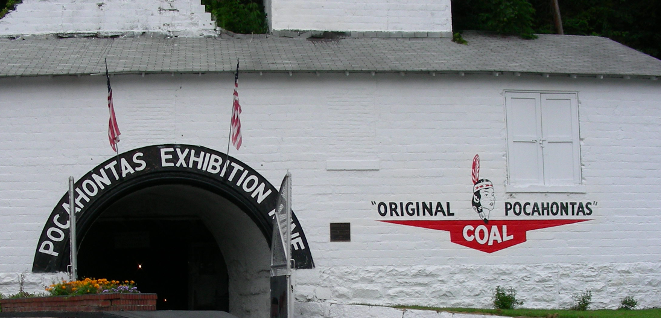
<point>378,133</point>
<point>185,18</point>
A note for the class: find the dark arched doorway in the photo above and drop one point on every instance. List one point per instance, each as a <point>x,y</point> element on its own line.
<point>194,248</point>
<point>159,237</point>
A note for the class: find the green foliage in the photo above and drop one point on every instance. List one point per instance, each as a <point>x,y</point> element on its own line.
<point>635,23</point>
<point>582,301</point>
<point>509,17</point>
<point>512,17</point>
<point>238,16</point>
<point>22,294</point>
<point>628,303</point>
<point>548,313</point>
<point>8,5</point>
<point>505,298</point>
<point>456,38</point>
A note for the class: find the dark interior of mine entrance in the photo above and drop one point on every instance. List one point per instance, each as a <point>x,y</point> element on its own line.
<point>176,258</point>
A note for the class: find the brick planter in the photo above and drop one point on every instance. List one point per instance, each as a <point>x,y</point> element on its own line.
<point>85,303</point>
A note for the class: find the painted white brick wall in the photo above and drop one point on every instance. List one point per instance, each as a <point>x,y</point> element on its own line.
<point>423,132</point>
<point>371,15</point>
<point>175,17</point>
<point>188,18</point>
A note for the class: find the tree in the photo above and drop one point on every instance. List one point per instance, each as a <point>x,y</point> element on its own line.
<point>239,16</point>
<point>6,6</point>
<point>500,16</point>
<point>635,23</point>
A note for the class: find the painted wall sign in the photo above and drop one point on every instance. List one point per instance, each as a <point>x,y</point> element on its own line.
<point>484,199</point>
<point>151,165</point>
<point>495,236</point>
<point>485,234</point>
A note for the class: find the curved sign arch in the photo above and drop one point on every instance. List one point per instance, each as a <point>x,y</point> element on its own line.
<point>161,164</point>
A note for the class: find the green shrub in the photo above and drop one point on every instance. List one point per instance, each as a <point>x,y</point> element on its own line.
<point>457,38</point>
<point>509,17</point>
<point>22,294</point>
<point>10,5</point>
<point>582,301</point>
<point>238,16</point>
<point>628,303</point>
<point>505,298</point>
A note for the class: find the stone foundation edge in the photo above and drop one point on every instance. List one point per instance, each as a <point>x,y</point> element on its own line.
<point>328,310</point>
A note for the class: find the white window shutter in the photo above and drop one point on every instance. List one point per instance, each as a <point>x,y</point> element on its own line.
<point>524,132</point>
<point>560,144</point>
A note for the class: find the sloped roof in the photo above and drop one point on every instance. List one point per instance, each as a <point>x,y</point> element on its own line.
<point>549,54</point>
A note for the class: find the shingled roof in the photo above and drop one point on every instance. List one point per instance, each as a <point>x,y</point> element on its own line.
<point>549,54</point>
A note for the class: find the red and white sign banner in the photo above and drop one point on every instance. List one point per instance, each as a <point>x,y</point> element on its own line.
<point>489,238</point>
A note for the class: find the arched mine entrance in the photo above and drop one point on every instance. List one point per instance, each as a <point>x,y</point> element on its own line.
<point>194,248</point>
<point>186,222</point>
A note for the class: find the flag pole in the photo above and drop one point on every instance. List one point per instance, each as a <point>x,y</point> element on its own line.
<point>288,219</point>
<point>117,156</point>
<point>72,232</point>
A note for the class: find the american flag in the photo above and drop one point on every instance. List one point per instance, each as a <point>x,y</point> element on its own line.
<point>235,131</point>
<point>113,129</point>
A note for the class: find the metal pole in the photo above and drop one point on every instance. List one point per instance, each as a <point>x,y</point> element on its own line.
<point>290,286</point>
<point>289,220</point>
<point>72,231</point>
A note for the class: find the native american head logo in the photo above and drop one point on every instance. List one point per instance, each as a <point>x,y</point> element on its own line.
<point>484,199</point>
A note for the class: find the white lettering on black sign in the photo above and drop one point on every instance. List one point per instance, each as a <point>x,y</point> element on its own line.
<point>200,161</point>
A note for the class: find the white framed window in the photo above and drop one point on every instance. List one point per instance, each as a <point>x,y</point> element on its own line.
<point>543,150</point>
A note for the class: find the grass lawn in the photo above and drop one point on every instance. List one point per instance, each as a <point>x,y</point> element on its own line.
<point>553,313</point>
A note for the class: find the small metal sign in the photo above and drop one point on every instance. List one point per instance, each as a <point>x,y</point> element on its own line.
<point>340,232</point>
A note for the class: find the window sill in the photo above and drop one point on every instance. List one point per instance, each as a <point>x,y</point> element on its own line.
<point>579,188</point>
